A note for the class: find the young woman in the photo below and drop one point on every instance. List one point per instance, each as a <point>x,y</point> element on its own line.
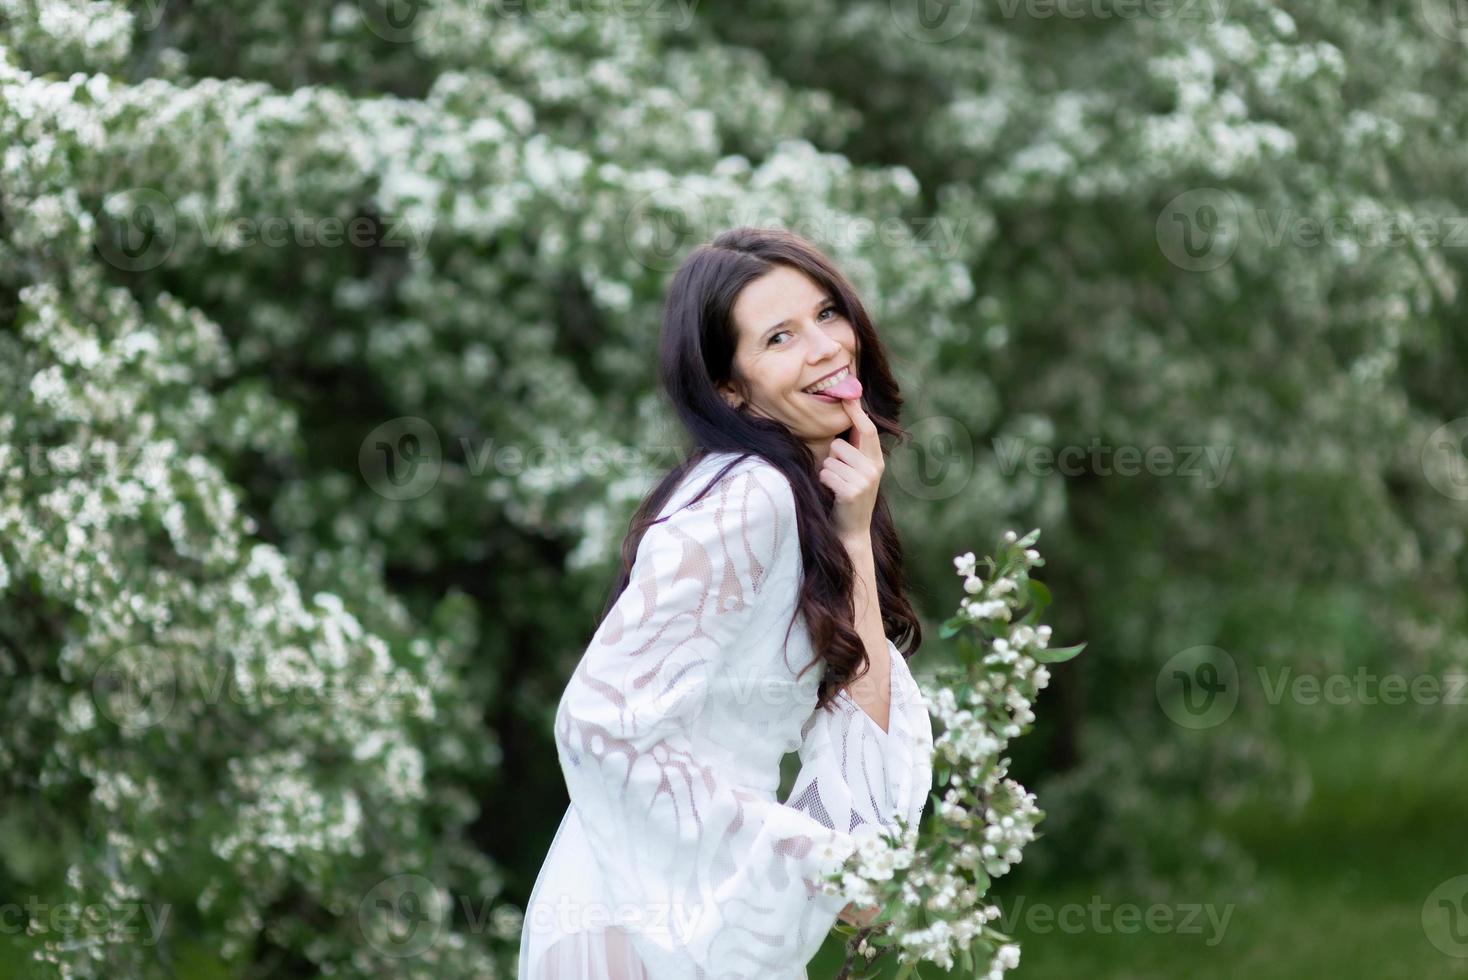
<point>772,553</point>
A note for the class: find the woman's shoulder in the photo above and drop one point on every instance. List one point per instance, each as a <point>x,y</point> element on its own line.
<point>744,471</point>
<point>747,483</point>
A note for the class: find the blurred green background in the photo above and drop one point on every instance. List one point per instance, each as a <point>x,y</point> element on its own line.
<point>326,391</point>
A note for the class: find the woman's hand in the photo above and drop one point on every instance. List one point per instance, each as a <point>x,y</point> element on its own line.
<point>859,917</point>
<point>853,471</point>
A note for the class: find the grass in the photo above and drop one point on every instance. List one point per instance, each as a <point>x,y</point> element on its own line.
<point>1341,886</point>
<point>1340,890</point>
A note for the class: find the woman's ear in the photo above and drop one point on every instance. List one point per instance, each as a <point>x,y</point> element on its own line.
<point>726,391</point>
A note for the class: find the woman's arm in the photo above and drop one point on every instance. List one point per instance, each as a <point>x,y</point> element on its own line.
<point>873,690</point>
<point>853,472</point>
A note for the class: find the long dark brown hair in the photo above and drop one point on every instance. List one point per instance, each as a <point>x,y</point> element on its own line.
<point>696,354</point>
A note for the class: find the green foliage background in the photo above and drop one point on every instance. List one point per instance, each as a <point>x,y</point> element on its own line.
<point>189,421</point>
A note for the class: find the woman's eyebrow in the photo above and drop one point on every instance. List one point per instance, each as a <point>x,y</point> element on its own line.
<point>819,303</point>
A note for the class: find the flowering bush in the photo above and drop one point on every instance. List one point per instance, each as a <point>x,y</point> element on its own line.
<point>930,882</point>
<point>184,396</point>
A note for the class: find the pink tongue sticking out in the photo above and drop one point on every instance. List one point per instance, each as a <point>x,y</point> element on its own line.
<point>848,389</point>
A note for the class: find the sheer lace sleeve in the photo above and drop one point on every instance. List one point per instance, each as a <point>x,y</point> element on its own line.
<point>852,773</point>
<point>720,880</point>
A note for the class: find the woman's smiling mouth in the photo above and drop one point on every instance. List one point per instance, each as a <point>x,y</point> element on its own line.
<point>828,382</point>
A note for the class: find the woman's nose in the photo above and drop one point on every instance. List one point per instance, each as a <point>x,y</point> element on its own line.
<point>824,347</point>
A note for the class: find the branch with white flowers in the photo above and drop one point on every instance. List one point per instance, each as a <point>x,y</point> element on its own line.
<point>931,882</point>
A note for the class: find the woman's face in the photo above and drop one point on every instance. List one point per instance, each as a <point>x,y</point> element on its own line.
<point>791,335</point>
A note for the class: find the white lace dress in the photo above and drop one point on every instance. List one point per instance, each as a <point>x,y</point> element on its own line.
<point>675,859</point>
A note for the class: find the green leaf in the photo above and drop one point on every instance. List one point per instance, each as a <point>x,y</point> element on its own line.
<point>950,627</point>
<point>1058,654</point>
<point>1040,592</point>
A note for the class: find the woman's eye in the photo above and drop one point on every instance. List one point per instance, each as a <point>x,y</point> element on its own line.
<point>829,309</point>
